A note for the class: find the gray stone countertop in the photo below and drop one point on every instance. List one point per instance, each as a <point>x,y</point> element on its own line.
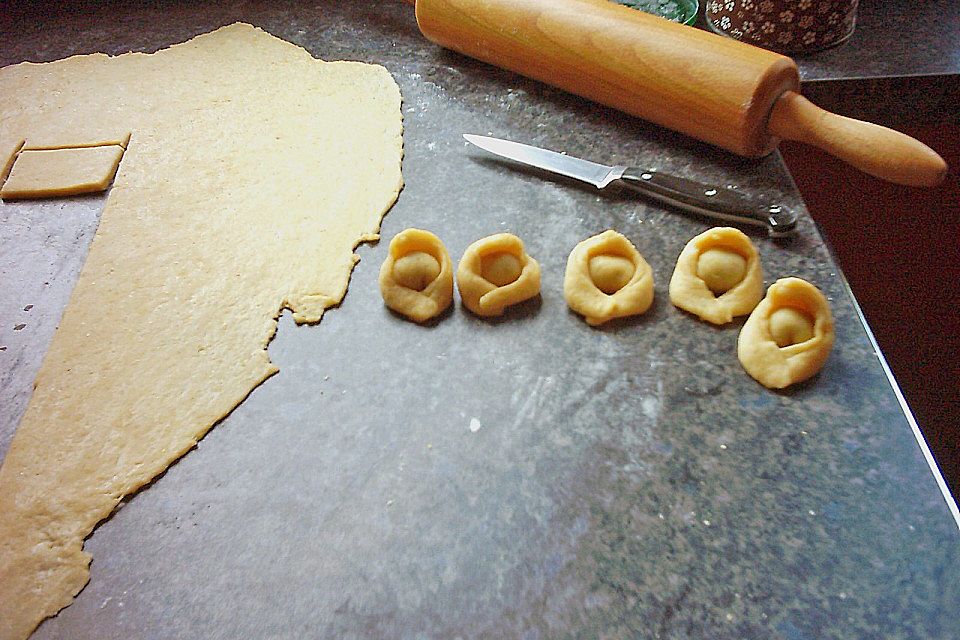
<point>893,38</point>
<point>527,477</point>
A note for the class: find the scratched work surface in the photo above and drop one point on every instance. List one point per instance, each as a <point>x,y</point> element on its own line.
<point>524,477</point>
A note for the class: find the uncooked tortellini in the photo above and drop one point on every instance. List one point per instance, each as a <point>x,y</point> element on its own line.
<point>607,278</point>
<point>494,273</point>
<point>718,276</point>
<point>416,279</point>
<point>788,336</point>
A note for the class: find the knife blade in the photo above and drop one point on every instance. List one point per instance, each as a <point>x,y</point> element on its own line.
<point>718,203</point>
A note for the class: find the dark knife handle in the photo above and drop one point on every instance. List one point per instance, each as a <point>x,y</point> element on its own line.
<point>714,202</point>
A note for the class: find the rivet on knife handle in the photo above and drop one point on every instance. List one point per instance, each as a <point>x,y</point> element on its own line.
<point>713,202</point>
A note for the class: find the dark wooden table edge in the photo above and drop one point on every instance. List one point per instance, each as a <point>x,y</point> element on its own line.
<point>895,101</point>
<point>890,100</point>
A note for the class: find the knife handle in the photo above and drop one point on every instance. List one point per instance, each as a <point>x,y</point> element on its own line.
<point>713,202</point>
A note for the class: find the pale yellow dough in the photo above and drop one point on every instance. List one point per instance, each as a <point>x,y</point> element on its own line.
<point>416,270</point>
<point>721,269</point>
<point>783,315</point>
<point>789,325</point>
<point>62,172</point>
<point>610,273</point>
<point>416,279</point>
<point>496,257</point>
<point>607,278</point>
<point>711,282</point>
<point>252,173</point>
<point>500,268</point>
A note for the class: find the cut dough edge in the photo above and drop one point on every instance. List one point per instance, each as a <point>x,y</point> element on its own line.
<point>77,575</point>
<point>48,145</point>
<point>309,310</point>
<point>67,171</point>
<point>41,144</point>
<point>9,159</point>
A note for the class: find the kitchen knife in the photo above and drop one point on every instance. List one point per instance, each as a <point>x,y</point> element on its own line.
<point>706,200</point>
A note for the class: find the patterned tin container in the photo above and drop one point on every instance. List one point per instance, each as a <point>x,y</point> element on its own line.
<point>788,26</point>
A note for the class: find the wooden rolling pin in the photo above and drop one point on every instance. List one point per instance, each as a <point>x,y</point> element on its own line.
<point>722,91</point>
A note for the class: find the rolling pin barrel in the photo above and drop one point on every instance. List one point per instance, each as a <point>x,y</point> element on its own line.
<point>699,83</point>
<point>716,89</point>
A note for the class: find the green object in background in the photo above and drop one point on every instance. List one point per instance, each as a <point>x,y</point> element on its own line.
<point>684,11</point>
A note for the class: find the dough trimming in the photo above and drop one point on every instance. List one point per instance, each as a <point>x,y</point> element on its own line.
<point>48,173</point>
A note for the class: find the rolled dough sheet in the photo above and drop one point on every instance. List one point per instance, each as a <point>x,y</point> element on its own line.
<point>62,172</point>
<point>252,173</point>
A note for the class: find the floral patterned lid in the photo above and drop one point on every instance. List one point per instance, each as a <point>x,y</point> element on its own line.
<point>789,26</point>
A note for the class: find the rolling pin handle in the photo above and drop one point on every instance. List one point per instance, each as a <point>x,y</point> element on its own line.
<point>879,151</point>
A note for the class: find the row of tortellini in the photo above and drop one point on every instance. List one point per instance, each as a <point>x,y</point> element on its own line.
<point>786,339</point>
<point>416,279</point>
<point>789,333</point>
